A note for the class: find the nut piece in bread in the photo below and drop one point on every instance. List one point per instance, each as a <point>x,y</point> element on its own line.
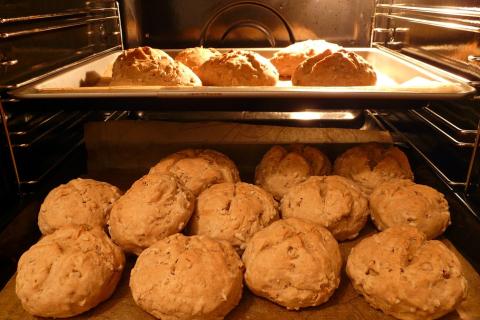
<point>156,206</point>
<point>371,164</point>
<point>287,59</point>
<point>79,202</point>
<point>187,278</point>
<point>340,68</point>
<point>238,68</point>
<point>195,57</point>
<point>233,212</point>
<point>402,274</point>
<point>282,168</point>
<point>198,169</point>
<point>145,66</point>
<point>294,263</point>
<point>402,201</point>
<point>333,202</point>
<point>68,272</point>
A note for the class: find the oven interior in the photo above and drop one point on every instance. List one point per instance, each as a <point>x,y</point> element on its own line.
<point>41,149</point>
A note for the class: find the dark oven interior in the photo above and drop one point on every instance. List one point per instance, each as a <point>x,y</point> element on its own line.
<point>42,147</point>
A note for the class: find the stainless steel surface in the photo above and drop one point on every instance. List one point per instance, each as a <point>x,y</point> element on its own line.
<point>416,80</point>
<point>449,123</point>
<point>245,23</point>
<point>474,165</point>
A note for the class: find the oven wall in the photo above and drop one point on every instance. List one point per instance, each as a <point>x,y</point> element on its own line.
<point>270,23</point>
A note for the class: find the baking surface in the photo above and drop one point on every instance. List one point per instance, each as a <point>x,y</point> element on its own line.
<point>344,304</point>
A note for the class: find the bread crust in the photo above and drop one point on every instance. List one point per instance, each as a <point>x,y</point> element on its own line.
<point>195,57</point>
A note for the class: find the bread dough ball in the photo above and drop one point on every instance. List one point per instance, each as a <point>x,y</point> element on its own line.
<point>371,164</point>
<point>340,68</point>
<point>402,274</point>
<point>198,169</point>
<point>238,68</point>
<point>294,263</point>
<point>187,278</point>
<point>156,206</point>
<point>233,212</point>
<point>282,168</point>
<point>79,202</point>
<point>195,57</point>
<point>287,59</point>
<point>333,202</point>
<point>68,272</point>
<point>145,66</point>
<point>402,201</point>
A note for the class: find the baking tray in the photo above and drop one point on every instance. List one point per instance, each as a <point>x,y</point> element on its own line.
<point>401,79</point>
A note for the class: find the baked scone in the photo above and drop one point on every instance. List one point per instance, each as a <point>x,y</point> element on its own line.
<point>294,263</point>
<point>187,278</point>
<point>198,169</point>
<point>79,202</point>
<point>401,201</point>
<point>144,66</point>
<point>156,206</point>
<point>68,272</point>
<point>233,212</point>
<point>287,59</point>
<point>282,168</point>
<point>238,68</point>
<point>402,274</point>
<point>371,164</point>
<point>333,202</point>
<point>195,57</point>
<point>340,68</point>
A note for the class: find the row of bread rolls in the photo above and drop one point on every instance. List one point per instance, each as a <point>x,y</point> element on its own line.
<point>307,63</point>
<point>294,261</point>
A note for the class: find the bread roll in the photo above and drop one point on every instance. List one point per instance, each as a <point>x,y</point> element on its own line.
<point>79,202</point>
<point>405,276</point>
<point>68,272</point>
<point>195,57</point>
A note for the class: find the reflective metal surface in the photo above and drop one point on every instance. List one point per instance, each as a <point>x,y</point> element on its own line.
<point>184,23</point>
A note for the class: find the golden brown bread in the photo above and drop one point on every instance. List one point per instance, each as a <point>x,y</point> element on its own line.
<point>402,274</point>
<point>195,57</point>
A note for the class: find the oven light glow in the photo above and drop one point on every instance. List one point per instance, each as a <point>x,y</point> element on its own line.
<point>321,115</point>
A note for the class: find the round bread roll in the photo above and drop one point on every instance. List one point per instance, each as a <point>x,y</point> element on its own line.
<point>198,169</point>
<point>287,59</point>
<point>294,263</point>
<point>145,66</point>
<point>79,202</point>
<point>340,68</point>
<point>195,57</point>
<point>281,169</point>
<point>371,164</point>
<point>238,68</point>
<point>402,201</point>
<point>187,278</point>
<point>402,274</point>
<point>333,202</point>
<point>156,206</point>
<point>233,212</point>
<point>68,272</point>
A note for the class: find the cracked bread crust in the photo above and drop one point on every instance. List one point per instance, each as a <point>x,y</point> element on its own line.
<point>287,59</point>
<point>333,202</point>
<point>293,263</point>
<point>372,164</point>
<point>282,168</point>
<point>238,68</point>
<point>195,57</point>
<point>156,206</point>
<point>68,272</point>
<point>402,201</point>
<point>187,278</point>
<point>402,274</point>
<point>79,202</point>
<point>198,169</point>
<point>340,68</point>
<point>233,212</point>
<point>151,67</point>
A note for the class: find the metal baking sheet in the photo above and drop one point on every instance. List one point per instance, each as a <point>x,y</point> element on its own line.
<point>399,78</point>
